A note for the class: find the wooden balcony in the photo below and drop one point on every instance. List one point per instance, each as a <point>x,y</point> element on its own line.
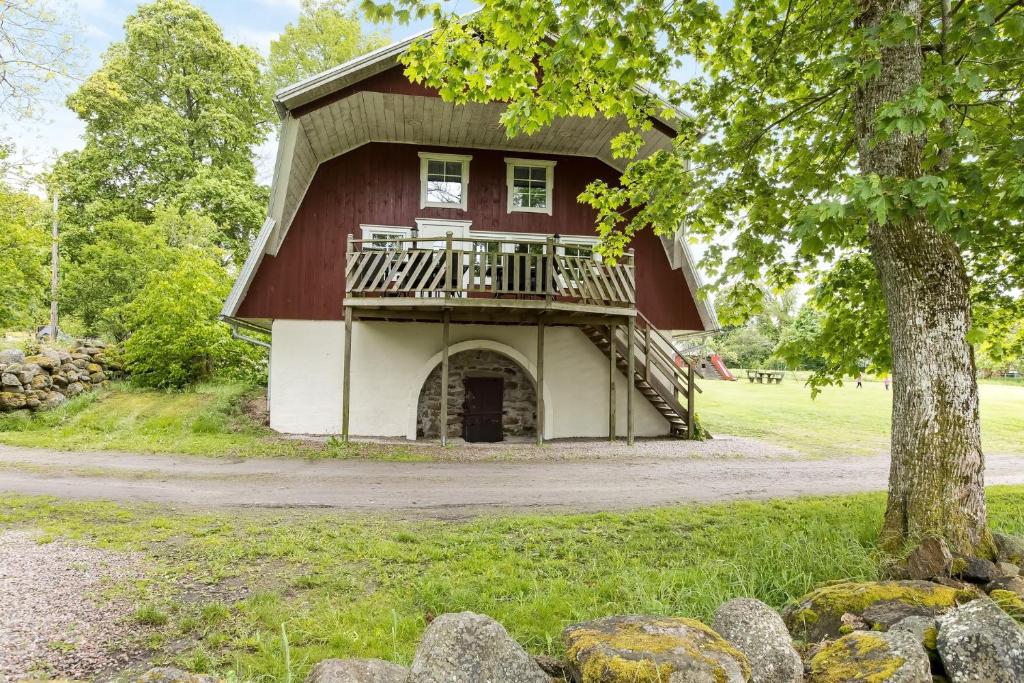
<point>507,278</point>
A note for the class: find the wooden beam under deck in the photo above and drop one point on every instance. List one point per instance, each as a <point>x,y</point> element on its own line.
<point>433,312</point>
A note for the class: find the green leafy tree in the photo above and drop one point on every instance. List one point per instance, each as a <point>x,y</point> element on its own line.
<point>885,132</point>
<point>798,341</point>
<point>176,338</point>
<point>24,252</point>
<point>326,34</point>
<point>112,268</point>
<point>745,346</point>
<point>171,117</point>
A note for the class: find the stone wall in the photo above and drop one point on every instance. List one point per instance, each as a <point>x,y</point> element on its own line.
<point>520,397</point>
<point>49,378</point>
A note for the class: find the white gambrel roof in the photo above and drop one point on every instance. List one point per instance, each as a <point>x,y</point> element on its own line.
<point>344,124</point>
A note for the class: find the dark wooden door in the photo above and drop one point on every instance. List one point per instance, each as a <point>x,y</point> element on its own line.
<point>481,417</point>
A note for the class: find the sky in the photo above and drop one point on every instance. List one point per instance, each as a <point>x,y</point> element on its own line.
<point>98,23</point>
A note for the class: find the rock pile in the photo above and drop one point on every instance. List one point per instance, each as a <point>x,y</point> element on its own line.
<point>47,379</point>
<point>945,629</point>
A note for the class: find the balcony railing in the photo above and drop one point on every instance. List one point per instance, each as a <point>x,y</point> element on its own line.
<point>459,267</point>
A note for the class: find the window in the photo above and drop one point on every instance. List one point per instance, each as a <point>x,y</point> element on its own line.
<point>530,183</point>
<point>444,180</point>
<point>384,237</point>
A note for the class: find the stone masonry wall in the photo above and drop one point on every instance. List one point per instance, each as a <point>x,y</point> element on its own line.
<point>520,397</point>
<point>49,378</point>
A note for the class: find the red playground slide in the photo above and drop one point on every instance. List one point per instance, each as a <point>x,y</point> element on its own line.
<point>716,360</point>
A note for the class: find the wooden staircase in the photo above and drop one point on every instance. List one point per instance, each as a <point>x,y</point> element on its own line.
<point>660,375</point>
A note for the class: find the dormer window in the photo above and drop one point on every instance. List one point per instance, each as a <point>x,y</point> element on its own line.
<point>444,180</point>
<point>530,185</point>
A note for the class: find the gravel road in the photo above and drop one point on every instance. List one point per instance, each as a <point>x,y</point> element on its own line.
<point>55,619</point>
<point>445,490</point>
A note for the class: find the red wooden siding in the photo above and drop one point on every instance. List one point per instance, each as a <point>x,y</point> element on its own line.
<point>379,183</point>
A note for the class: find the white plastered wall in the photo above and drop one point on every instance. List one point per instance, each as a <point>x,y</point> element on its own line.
<point>390,361</point>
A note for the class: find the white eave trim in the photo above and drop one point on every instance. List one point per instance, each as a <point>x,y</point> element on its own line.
<point>378,60</point>
<point>248,272</point>
<point>291,95</point>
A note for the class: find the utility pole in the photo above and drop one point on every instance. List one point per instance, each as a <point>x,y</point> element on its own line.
<point>54,266</point>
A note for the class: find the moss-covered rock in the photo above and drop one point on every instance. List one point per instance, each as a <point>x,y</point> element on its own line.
<point>879,604</point>
<point>639,649</point>
<point>1010,602</point>
<point>1009,549</point>
<point>870,657</point>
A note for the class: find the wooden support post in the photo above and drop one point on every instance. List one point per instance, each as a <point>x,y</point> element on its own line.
<point>346,382</point>
<point>446,319</point>
<point>449,272</point>
<point>630,376</point>
<point>540,380</point>
<point>549,268</point>
<point>690,419</point>
<point>613,370</point>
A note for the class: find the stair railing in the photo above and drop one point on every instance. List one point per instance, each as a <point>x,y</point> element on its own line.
<point>656,363</point>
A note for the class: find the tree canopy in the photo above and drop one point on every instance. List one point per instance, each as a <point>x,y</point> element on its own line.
<point>172,117</point>
<point>873,149</point>
<point>326,34</point>
<point>769,140</point>
<point>24,251</point>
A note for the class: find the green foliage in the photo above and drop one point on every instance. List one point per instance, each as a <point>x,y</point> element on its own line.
<point>744,347</point>
<point>171,117</point>
<point>176,338</point>
<point>799,340</point>
<point>109,273</point>
<point>770,138</point>
<point>326,34</point>
<point>112,268</point>
<point>24,257</point>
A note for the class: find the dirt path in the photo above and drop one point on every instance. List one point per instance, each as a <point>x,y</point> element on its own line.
<point>443,490</point>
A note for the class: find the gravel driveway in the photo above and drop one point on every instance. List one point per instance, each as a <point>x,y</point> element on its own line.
<point>448,489</point>
<point>54,617</point>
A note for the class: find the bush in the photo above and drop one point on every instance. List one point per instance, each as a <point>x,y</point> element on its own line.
<point>176,338</point>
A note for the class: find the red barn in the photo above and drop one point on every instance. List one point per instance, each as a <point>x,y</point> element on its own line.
<point>423,275</point>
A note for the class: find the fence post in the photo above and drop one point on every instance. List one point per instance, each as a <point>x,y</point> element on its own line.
<point>449,272</point>
<point>350,250</point>
<point>690,421</point>
<point>549,268</point>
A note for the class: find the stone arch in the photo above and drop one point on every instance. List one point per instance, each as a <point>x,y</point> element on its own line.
<point>528,368</point>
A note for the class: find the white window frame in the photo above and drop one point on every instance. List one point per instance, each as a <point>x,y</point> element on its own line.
<point>426,157</point>
<point>397,231</point>
<point>510,164</point>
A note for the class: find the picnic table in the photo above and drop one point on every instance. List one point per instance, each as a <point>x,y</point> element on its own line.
<point>761,376</point>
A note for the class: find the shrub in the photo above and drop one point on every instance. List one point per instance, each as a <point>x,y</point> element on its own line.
<point>176,338</point>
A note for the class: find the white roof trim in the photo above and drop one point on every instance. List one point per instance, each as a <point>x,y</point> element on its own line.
<point>378,60</point>
<point>282,172</point>
<point>248,272</point>
<point>291,96</point>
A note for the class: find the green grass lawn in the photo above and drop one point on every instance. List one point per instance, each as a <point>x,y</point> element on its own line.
<point>351,586</point>
<point>210,420</point>
<point>841,420</point>
<point>207,420</point>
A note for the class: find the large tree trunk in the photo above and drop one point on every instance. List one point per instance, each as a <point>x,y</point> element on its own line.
<point>936,481</point>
